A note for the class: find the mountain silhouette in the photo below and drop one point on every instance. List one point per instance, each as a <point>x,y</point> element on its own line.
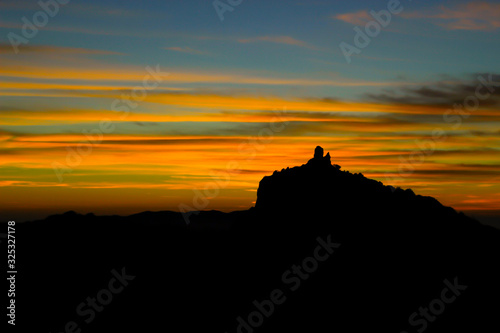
<point>322,250</point>
<point>320,188</point>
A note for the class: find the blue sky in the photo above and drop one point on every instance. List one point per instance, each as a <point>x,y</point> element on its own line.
<point>409,49</point>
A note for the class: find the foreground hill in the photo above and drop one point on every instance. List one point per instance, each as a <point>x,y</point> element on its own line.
<point>323,250</point>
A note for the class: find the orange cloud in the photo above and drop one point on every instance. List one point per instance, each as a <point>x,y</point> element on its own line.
<point>133,73</point>
<point>168,167</point>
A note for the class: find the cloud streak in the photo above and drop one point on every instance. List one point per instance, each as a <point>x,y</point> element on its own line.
<point>184,50</point>
<point>286,40</point>
<point>479,15</point>
<point>52,49</point>
<point>473,16</point>
<point>111,72</point>
<point>357,18</point>
<point>444,93</point>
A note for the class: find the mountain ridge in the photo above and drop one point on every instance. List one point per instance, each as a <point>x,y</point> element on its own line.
<point>394,250</point>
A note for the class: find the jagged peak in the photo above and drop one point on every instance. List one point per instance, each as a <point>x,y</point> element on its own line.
<point>319,160</point>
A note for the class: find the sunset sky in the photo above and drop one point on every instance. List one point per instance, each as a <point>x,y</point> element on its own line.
<point>117,107</point>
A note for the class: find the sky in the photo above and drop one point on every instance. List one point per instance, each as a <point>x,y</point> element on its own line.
<point>118,107</point>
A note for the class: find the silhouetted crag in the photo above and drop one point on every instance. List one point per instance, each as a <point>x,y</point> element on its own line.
<point>319,188</point>
<point>396,249</point>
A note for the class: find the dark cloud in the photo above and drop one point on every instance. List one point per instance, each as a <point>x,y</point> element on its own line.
<point>146,123</point>
<point>485,133</point>
<point>486,166</point>
<point>476,173</point>
<point>483,151</point>
<point>7,48</point>
<point>244,171</point>
<point>443,93</point>
<point>10,152</point>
